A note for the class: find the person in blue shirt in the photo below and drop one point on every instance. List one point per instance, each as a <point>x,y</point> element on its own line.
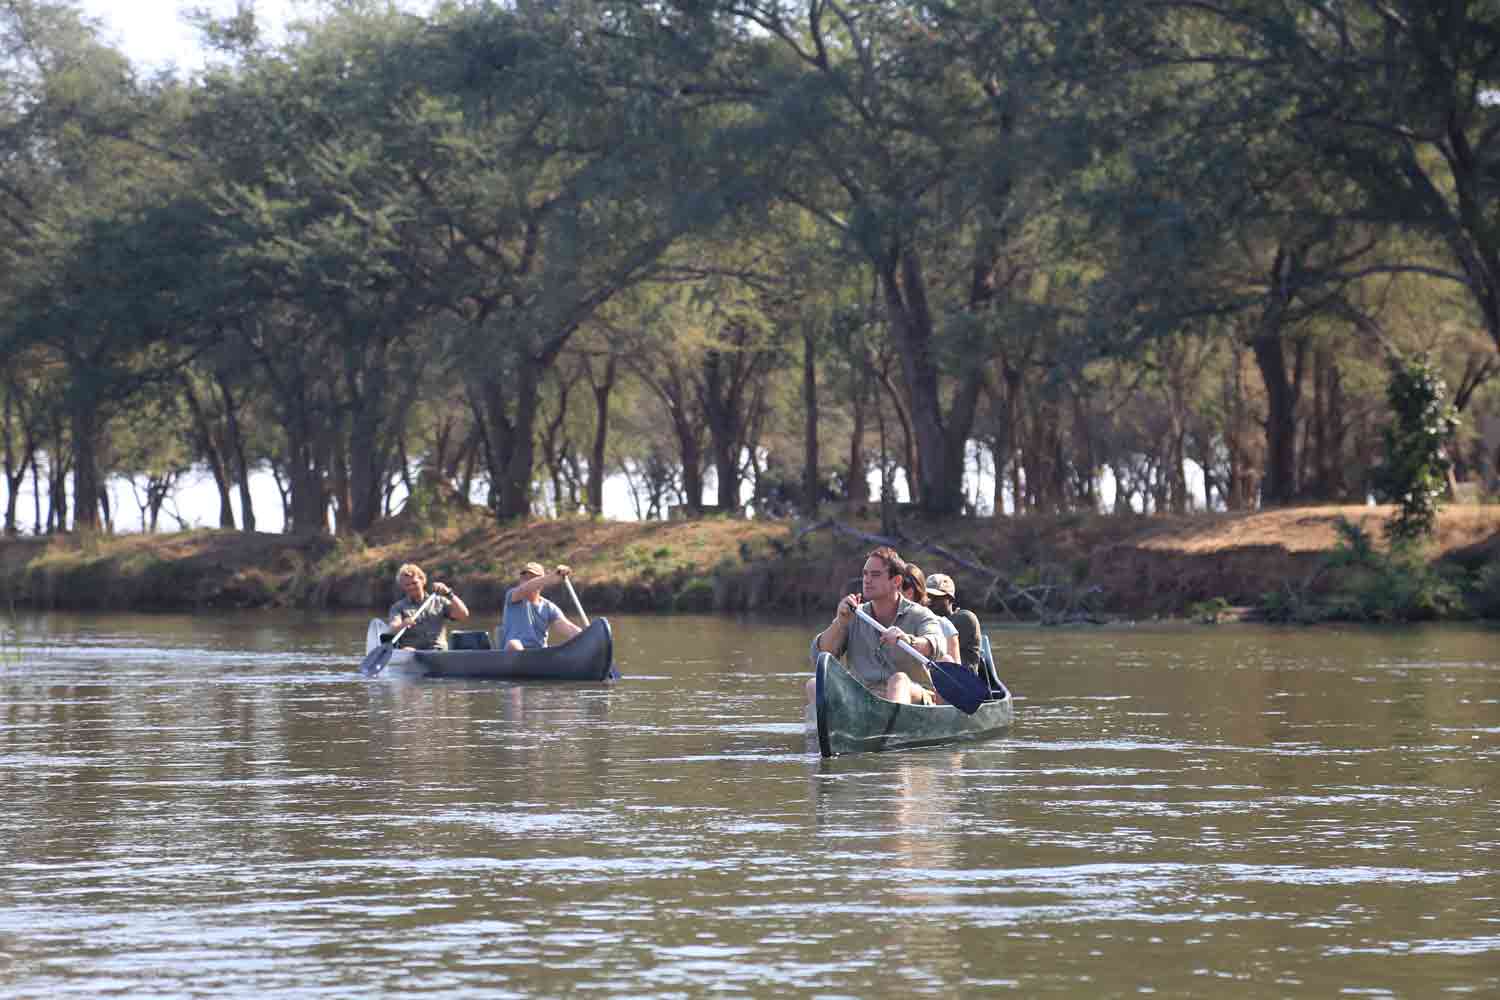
<point>528,615</point>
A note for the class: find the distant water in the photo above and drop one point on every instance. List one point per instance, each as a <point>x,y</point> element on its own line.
<point>219,806</point>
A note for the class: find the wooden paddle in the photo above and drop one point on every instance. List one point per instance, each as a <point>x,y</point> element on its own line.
<point>955,683</point>
<point>577,605</point>
<point>376,659</point>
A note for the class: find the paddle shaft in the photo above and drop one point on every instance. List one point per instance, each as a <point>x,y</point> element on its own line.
<point>421,610</point>
<point>380,655</point>
<point>954,683</point>
<point>905,645</point>
<point>577,604</point>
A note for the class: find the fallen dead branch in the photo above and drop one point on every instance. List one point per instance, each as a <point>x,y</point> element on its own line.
<point>1052,601</point>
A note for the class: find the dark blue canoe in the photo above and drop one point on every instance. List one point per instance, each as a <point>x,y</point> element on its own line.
<point>588,656</point>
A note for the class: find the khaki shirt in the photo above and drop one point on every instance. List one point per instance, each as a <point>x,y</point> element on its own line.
<point>430,631</point>
<point>872,663</point>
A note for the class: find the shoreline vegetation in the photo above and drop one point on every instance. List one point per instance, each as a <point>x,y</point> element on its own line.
<point>1299,564</point>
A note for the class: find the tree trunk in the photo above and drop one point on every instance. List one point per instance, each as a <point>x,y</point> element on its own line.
<point>368,458</point>
<point>237,450</point>
<point>15,471</point>
<point>857,479</point>
<point>1280,485</point>
<point>85,427</point>
<point>1283,385</point>
<point>209,445</point>
<point>720,395</point>
<point>306,491</point>
<point>941,477</point>
<point>602,390</point>
<point>1327,431</point>
<point>36,494</point>
<point>812,491</point>
<point>911,458</point>
<point>333,445</point>
<point>512,451</point>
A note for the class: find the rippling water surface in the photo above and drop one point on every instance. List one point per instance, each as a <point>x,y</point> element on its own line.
<point>221,806</point>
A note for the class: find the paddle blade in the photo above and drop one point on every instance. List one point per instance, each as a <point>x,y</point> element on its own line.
<point>958,685</point>
<point>376,659</point>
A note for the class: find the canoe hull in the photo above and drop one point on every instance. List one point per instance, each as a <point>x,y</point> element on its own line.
<point>588,656</point>
<point>853,719</point>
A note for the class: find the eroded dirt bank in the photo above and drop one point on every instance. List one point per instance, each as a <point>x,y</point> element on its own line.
<point>1115,566</point>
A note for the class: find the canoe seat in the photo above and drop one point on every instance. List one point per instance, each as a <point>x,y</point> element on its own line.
<point>991,675</point>
<point>479,639</point>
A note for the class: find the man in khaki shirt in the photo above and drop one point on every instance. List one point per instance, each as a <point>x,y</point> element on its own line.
<point>873,655</point>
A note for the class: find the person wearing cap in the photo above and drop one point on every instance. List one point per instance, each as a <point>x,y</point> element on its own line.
<point>425,624</point>
<point>914,587</point>
<point>872,653</point>
<point>528,615</point>
<point>942,598</point>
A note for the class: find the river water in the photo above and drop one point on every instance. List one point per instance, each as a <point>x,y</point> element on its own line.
<point>220,806</point>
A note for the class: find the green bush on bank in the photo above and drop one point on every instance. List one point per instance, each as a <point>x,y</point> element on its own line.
<point>1364,584</point>
<point>696,595</point>
<point>1484,591</point>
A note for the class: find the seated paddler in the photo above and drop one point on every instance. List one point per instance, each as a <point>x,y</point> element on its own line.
<point>424,617</point>
<point>528,616</point>
<point>966,646</point>
<point>873,654</point>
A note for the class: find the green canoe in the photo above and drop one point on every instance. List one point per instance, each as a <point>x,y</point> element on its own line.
<point>853,719</point>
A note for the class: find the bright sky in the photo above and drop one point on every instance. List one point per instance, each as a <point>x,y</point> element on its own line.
<point>153,34</point>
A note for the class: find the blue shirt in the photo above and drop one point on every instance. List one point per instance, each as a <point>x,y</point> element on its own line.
<point>527,621</point>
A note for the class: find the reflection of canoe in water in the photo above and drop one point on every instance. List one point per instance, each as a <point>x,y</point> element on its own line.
<point>852,719</point>
<point>588,656</point>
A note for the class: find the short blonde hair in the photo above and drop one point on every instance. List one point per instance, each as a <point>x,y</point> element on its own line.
<point>412,570</point>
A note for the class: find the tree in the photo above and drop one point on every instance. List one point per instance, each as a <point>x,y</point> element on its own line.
<point>555,201</point>
<point>90,250</point>
<point>1415,472</point>
<point>912,134</point>
<point>27,387</point>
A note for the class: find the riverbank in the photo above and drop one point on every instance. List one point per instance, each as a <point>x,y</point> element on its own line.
<point>1061,568</point>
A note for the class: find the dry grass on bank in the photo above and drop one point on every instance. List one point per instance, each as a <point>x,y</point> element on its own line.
<point>1133,565</point>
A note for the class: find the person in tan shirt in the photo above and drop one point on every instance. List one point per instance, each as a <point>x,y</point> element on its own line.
<point>426,627</point>
<point>872,654</point>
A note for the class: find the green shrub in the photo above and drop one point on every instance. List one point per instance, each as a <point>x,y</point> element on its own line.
<point>696,594</point>
<point>1366,585</point>
<point>1209,612</point>
<point>1484,591</point>
<point>1414,473</point>
<point>1288,606</point>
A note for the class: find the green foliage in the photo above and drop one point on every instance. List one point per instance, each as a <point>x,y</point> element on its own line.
<point>1287,606</point>
<point>426,509</point>
<point>1208,612</point>
<point>1414,474</point>
<point>647,562</point>
<point>1367,585</point>
<point>1354,546</point>
<point>395,221</point>
<point>696,594</point>
<point>1483,593</point>
<point>167,582</point>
